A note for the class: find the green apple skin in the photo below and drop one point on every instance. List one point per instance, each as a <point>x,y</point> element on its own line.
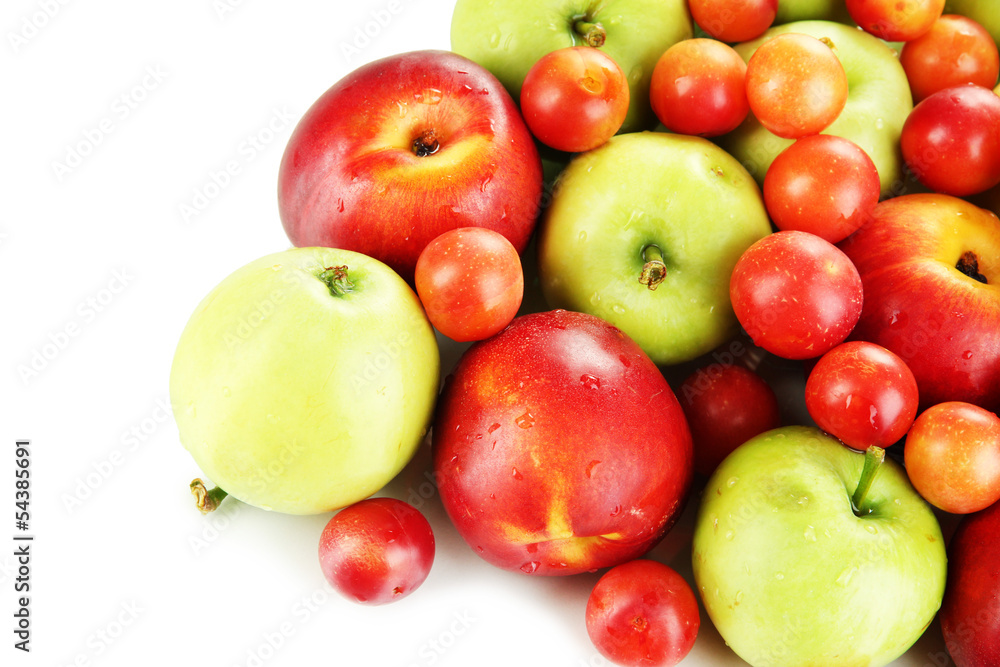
<point>295,400</point>
<point>791,577</point>
<point>984,12</point>
<point>507,37</point>
<point>680,193</point>
<point>812,10</point>
<point>878,103</point>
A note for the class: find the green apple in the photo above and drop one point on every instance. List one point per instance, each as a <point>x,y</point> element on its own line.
<point>878,103</point>
<point>644,233</point>
<point>808,553</point>
<point>305,380</point>
<point>507,37</point>
<point>984,12</point>
<point>804,10</point>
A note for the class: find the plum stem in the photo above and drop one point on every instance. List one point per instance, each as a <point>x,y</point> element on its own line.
<point>593,34</point>
<point>336,279</point>
<point>654,270</point>
<point>968,264</point>
<point>208,500</point>
<point>874,456</point>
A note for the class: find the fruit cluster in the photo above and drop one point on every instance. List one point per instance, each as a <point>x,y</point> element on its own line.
<point>793,204</point>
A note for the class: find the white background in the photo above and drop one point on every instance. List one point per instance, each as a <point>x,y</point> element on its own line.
<point>99,271</point>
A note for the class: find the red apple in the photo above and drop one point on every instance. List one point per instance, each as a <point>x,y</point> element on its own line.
<point>403,149</point>
<point>930,266</point>
<point>559,447</point>
<point>970,612</point>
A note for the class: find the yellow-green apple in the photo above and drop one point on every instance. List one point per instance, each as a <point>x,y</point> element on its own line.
<point>305,380</point>
<point>403,149</point>
<point>878,103</point>
<point>970,613</point>
<point>509,36</point>
<point>644,232</point>
<point>806,552</point>
<point>559,447</point>
<point>930,267</point>
<point>804,10</point>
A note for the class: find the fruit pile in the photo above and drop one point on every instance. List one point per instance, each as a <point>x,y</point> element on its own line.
<point>793,206</point>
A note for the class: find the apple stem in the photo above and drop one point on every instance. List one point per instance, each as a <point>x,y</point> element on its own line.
<point>426,144</point>
<point>208,500</point>
<point>968,264</point>
<point>654,270</point>
<point>335,278</point>
<point>593,33</point>
<point>874,456</point>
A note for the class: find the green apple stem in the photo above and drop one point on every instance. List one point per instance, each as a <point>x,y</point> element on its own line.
<point>208,500</point>
<point>593,33</point>
<point>654,270</point>
<point>336,279</point>
<point>874,456</point>
<point>968,264</point>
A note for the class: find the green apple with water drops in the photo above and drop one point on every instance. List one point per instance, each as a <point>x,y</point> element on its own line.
<point>507,37</point>
<point>644,233</point>
<point>808,553</point>
<point>304,381</point>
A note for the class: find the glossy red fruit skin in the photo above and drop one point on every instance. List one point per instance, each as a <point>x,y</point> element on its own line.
<point>559,447</point>
<point>376,551</point>
<point>951,140</point>
<point>862,394</point>
<point>795,294</point>
<point>725,406</point>
<point>470,283</point>
<point>907,257</point>
<point>970,612</point>
<point>643,613</point>
<point>349,177</point>
<point>822,184</point>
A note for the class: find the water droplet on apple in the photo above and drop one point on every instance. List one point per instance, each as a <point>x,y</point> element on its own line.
<point>779,575</point>
<point>590,468</point>
<point>340,205</point>
<point>809,533</point>
<point>589,381</point>
<point>845,576</point>
<point>635,74</point>
<point>967,355</point>
<point>493,428</point>
<point>479,436</point>
<point>276,267</point>
<point>617,510</point>
<point>731,482</point>
<point>618,309</point>
<point>527,420</point>
<point>582,237</point>
<point>403,108</point>
<point>879,123</point>
<point>529,568</point>
<point>226,392</point>
<point>493,496</point>
<point>480,549</point>
<point>429,96</point>
<point>730,535</point>
<point>871,528</point>
<point>595,299</point>
<point>485,183</point>
<point>739,598</point>
<point>516,474</point>
<point>872,414</point>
